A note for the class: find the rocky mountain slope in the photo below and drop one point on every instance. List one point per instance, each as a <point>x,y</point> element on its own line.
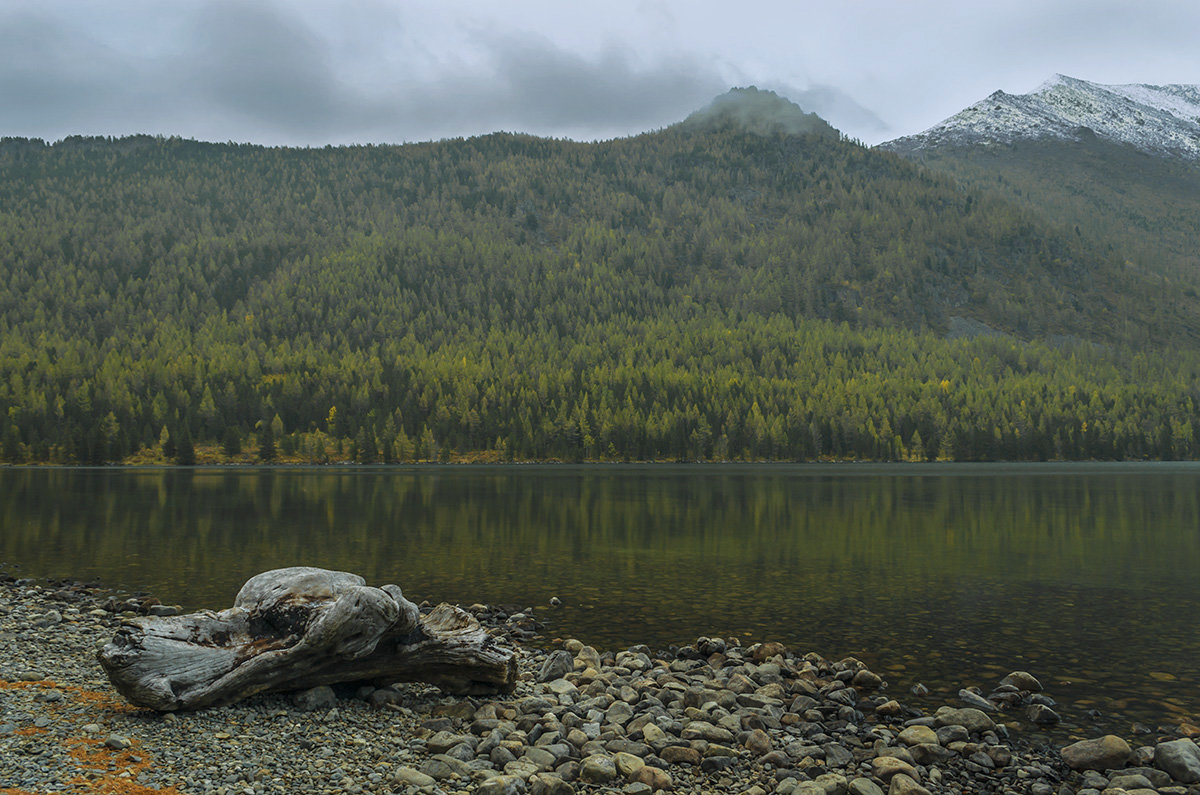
<point>1159,120</point>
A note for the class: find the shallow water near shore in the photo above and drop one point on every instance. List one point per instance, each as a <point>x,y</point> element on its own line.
<point>1087,575</point>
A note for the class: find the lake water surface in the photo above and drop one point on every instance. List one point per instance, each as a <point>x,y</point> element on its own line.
<point>1087,575</point>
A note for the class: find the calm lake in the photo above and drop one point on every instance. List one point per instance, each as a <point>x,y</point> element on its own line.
<point>1087,575</point>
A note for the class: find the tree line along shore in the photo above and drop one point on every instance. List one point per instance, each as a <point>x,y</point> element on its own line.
<point>685,295</point>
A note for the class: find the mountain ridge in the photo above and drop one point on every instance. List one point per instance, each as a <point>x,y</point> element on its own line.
<point>1158,119</point>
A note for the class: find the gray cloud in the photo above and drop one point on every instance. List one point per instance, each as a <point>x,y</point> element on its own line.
<point>841,110</point>
<point>533,85</point>
<point>339,71</point>
<point>255,63</point>
<point>250,70</point>
<point>258,70</point>
<point>50,75</point>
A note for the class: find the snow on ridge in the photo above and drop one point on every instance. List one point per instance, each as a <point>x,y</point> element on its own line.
<point>1182,101</point>
<point>1161,120</point>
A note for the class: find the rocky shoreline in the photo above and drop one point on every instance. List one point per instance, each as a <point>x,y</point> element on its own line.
<point>712,716</point>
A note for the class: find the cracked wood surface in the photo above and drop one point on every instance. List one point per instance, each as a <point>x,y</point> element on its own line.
<point>296,628</point>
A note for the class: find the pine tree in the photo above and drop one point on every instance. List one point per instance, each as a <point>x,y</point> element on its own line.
<point>231,442</point>
<point>266,441</point>
<point>185,451</point>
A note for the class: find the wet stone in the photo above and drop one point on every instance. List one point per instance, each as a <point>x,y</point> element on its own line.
<point>442,741</point>
<point>654,777</point>
<point>712,764</point>
<point>627,764</point>
<point>972,699</point>
<point>1180,758</point>
<point>863,786</point>
<point>502,785</point>
<point>598,769</point>
<point>557,665</point>
<point>931,754</point>
<point>702,730</point>
<point>885,767</point>
<point>915,735</point>
<point>973,720</point>
<point>888,709</point>
<point>1041,715</point>
<point>795,787</point>
<point>443,767</point>
<point>408,775</point>
<point>549,784</point>
<point>1156,777</point>
<point>758,742</point>
<point>951,734</point>
<point>1103,753</point>
<point>836,755</point>
<point>1022,680</point>
<point>903,784</point>
<point>316,698</point>
<point>1130,782</point>
<point>541,758</point>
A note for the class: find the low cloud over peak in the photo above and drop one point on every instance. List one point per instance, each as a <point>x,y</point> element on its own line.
<point>258,71</point>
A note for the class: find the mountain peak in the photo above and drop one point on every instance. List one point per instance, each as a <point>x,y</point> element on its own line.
<point>1159,120</point>
<point>757,111</point>
<point>1059,79</point>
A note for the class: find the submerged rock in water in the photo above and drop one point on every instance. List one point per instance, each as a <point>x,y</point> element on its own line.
<point>1023,680</point>
<point>1042,715</point>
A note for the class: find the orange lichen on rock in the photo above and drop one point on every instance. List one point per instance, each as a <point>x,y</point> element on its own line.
<point>95,698</point>
<point>7,685</point>
<point>106,768</point>
<point>100,769</point>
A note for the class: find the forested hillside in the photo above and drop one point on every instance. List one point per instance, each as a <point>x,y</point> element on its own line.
<point>1143,206</point>
<point>696,293</point>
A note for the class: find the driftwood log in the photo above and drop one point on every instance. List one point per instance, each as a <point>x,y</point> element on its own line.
<point>297,628</point>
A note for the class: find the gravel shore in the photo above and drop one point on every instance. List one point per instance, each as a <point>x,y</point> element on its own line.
<point>713,716</point>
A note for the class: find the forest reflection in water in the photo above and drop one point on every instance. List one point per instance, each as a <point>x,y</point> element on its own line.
<point>952,575</point>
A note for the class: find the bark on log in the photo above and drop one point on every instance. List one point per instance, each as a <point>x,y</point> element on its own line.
<point>296,628</point>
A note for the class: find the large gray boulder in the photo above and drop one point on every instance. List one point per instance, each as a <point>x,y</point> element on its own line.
<point>1180,758</point>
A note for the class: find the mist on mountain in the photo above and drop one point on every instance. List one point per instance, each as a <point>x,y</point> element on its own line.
<point>757,111</point>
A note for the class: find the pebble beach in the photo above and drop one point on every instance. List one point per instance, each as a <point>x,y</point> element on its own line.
<point>713,716</point>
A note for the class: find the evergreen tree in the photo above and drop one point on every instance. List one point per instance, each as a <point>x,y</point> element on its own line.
<point>266,441</point>
<point>231,442</point>
<point>185,451</point>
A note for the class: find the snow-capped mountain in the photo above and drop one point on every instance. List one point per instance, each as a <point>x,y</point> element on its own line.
<point>1161,120</point>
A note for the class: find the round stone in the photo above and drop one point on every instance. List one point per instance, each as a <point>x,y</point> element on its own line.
<point>598,769</point>
<point>916,735</point>
<point>1103,753</point>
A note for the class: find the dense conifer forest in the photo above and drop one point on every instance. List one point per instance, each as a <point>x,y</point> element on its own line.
<point>1146,207</point>
<point>697,293</point>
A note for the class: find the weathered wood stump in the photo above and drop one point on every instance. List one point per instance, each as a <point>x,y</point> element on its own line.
<point>296,628</point>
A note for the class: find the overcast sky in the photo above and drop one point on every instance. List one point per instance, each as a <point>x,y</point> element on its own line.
<point>357,71</point>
